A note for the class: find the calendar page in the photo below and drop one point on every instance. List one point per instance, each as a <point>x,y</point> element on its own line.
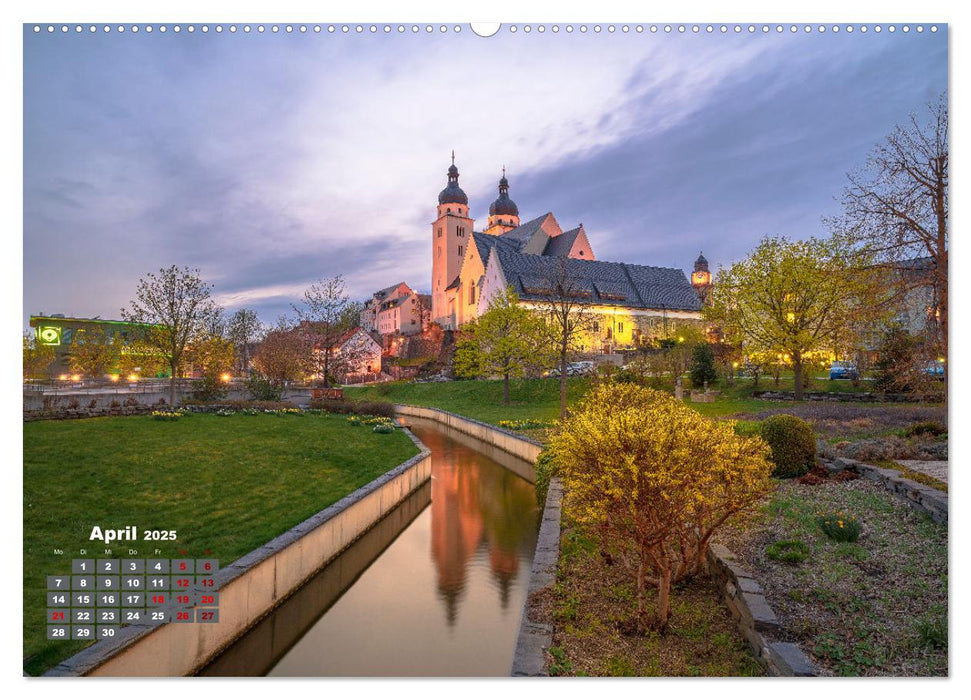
<point>436,349</point>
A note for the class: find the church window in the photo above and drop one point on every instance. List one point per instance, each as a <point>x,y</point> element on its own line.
<point>448,211</point>
<point>439,251</point>
<point>460,251</point>
<point>471,293</point>
<point>620,327</point>
<point>581,252</point>
<point>439,231</point>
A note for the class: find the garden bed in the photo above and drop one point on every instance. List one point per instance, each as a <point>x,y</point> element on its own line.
<point>592,606</point>
<point>874,607</point>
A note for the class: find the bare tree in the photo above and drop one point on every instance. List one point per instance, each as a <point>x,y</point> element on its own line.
<point>326,317</point>
<point>896,210</point>
<point>565,305</point>
<point>175,307</point>
<point>245,329</point>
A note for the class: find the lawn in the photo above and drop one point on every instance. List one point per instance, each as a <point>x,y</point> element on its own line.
<point>535,399</point>
<point>226,484</point>
<point>539,399</point>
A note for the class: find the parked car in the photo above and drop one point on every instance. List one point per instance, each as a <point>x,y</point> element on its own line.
<point>934,368</point>
<point>573,369</point>
<point>843,370</point>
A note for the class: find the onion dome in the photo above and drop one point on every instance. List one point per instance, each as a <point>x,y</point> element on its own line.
<point>701,265</point>
<point>503,205</point>
<point>453,194</point>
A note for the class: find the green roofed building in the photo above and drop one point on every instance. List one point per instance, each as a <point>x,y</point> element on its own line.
<point>61,332</point>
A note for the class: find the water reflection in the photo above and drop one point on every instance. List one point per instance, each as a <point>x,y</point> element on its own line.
<point>482,515</point>
<point>442,599</point>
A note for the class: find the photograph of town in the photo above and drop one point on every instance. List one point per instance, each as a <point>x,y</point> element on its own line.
<point>425,350</point>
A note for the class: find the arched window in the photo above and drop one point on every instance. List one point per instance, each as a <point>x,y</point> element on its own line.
<point>472,293</point>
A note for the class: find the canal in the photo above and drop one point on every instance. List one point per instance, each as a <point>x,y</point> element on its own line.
<point>436,588</point>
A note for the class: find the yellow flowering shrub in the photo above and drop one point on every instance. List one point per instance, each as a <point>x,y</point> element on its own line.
<point>657,478</point>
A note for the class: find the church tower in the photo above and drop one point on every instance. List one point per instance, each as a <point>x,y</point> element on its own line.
<point>503,213</point>
<point>451,236</point>
<point>701,279</point>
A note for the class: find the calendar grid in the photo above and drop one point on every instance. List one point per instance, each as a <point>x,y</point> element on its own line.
<point>100,596</point>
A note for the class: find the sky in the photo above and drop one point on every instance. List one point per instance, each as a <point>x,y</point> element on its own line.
<point>270,161</point>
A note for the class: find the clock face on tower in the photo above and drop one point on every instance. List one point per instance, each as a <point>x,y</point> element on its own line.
<point>701,277</point>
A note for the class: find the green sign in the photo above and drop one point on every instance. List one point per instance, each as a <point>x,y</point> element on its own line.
<point>49,335</point>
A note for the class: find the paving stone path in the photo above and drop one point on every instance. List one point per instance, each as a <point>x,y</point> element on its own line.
<point>936,469</point>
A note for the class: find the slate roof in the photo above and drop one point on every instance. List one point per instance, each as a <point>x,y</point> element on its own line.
<point>562,244</point>
<point>600,282</point>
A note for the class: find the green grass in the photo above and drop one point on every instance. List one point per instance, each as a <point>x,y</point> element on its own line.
<point>226,484</point>
<point>536,399</point>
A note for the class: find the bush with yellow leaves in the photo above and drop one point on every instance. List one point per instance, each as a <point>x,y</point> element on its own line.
<point>657,479</point>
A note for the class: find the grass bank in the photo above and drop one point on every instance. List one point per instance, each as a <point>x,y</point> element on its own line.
<point>226,485</point>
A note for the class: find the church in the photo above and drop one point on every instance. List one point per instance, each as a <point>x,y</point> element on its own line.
<point>626,304</point>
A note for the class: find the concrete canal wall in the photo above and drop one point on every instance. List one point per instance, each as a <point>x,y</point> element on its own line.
<point>505,440</point>
<point>253,585</point>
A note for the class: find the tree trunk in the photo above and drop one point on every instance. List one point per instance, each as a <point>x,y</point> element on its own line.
<point>171,385</point>
<point>663,596</point>
<point>797,369</point>
<point>505,388</point>
<point>642,620</point>
<point>563,383</point>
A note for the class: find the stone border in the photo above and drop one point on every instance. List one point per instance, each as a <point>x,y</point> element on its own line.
<point>536,637</point>
<point>517,445</point>
<point>924,498</point>
<point>755,618</point>
<point>252,585</point>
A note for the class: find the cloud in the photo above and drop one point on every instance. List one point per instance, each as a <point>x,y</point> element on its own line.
<point>269,162</point>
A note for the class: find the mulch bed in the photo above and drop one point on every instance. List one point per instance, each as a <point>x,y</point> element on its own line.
<point>592,607</point>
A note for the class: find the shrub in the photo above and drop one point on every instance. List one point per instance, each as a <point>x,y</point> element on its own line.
<point>131,401</point>
<point>354,420</point>
<point>925,428</point>
<point>657,478</point>
<point>702,366</point>
<point>383,428</point>
<point>545,470</point>
<point>262,389</point>
<point>792,442</point>
<point>115,404</point>
<point>526,424</point>
<point>788,551</point>
<point>210,387</point>
<point>839,527</point>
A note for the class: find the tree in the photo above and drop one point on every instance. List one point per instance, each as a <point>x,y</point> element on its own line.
<point>506,340</point>
<point>796,298</point>
<point>244,329</point>
<point>325,316</point>
<point>564,305</point>
<point>896,209</point>
<point>284,355</point>
<point>176,308</point>
<point>139,357</point>
<point>702,366</point>
<point>657,479</point>
<point>92,352</point>
<point>38,358</point>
